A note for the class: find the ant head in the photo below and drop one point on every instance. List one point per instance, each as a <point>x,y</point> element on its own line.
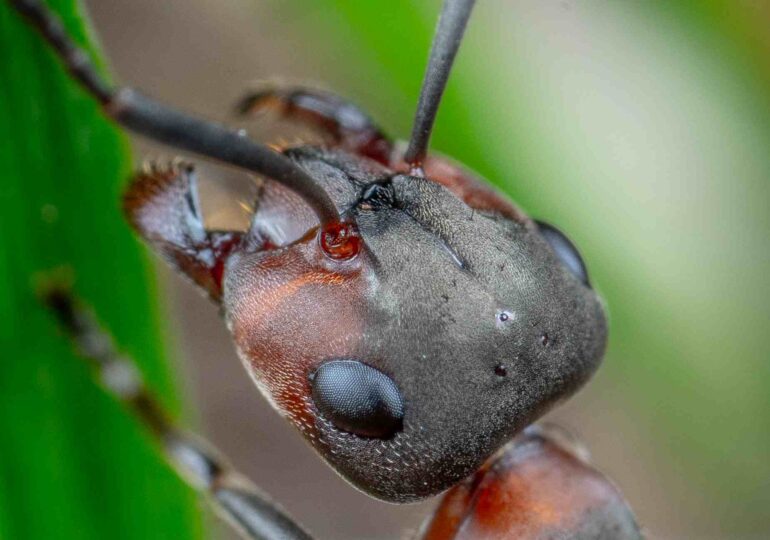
<point>413,338</point>
<point>409,361</point>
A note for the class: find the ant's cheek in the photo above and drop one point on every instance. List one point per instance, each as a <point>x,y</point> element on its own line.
<point>286,316</point>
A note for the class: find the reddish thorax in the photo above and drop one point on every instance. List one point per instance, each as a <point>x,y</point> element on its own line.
<point>534,488</point>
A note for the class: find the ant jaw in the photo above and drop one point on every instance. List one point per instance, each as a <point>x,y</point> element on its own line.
<point>161,204</point>
<point>340,241</point>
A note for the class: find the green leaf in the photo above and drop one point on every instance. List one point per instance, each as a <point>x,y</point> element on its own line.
<point>73,463</point>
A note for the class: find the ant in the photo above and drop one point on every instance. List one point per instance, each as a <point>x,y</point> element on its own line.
<point>406,318</point>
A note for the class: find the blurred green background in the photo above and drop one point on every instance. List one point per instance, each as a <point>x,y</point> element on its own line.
<point>71,461</point>
<point>641,128</point>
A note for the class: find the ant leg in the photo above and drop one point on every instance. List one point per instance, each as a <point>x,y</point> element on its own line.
<point>346,123</point>
<point>244,506</point>
<point>161,204</point>
<point>147,117</point>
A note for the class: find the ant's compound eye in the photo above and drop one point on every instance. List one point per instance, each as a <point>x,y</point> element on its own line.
<point>357,398</point>
<point>565,250</point>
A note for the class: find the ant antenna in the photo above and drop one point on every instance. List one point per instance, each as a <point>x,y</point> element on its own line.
<point>449,33</point>
<point>166,125</point>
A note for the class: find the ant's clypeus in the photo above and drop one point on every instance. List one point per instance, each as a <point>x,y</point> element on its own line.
<point>439,321</point>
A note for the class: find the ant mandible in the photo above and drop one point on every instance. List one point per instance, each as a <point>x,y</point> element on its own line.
<point>407,319</point>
